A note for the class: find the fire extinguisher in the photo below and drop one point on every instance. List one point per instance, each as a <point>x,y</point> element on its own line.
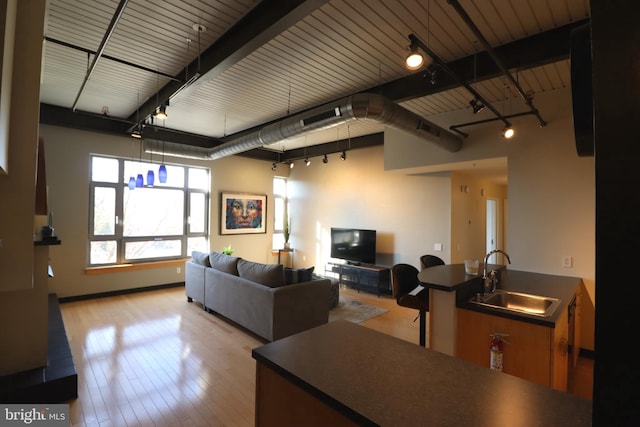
<point>496,348</point>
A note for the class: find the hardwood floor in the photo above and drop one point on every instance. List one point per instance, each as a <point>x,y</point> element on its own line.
<point>152,359</point>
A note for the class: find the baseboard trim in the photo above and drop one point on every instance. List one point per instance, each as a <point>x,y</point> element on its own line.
<point>119,292</point>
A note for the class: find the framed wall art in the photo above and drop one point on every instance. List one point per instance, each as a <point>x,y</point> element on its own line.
<point>242,213</point>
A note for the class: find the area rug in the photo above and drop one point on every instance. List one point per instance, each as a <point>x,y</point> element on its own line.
<point>354,311</point>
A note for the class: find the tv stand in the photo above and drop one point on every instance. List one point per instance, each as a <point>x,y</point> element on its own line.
<point>366,277</point>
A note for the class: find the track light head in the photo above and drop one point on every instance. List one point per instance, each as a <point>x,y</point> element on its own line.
<point>274,167</point>
<point>291,165</point>
<point>414,60</point>
<point>161,112</point>
<point>508,132</point>
<point>476,105</point>
<point>325,159</point>
<point>307,162</point>
<point>343,156</point>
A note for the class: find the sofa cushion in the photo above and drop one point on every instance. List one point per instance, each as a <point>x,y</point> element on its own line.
<point>271,275</point>
<point>200,258</point>
<point>297,275</point>
<point>224,263</point>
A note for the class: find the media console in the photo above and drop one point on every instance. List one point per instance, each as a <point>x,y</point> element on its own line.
<point>366,277</point>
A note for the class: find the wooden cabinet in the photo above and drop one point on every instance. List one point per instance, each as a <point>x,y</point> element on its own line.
<point>534,352</point>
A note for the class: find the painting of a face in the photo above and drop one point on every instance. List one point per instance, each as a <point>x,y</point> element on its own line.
<point>242,213</point>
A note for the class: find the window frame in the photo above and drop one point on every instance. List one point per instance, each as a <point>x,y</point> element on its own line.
<point>118,235</point>
<point>278,229</point>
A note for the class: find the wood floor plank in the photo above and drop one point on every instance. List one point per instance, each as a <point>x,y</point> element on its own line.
<point>153,359</point>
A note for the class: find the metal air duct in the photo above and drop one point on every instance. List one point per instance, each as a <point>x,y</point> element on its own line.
<point>361,106</point>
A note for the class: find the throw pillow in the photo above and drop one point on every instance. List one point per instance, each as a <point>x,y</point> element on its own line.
<point>266,274</point>
<point>299,275</point>
<point>224,263</point>
<point>200,258</point>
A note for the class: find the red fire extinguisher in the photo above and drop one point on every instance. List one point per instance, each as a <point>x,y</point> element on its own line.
<point>496,348</point>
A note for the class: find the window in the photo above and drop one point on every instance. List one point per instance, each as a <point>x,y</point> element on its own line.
<point>280,211</point>
<point>164,221</point>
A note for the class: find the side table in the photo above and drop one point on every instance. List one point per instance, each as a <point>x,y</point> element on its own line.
<point>287,251</point>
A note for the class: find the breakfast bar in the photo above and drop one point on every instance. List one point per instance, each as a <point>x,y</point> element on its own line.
<point>343,374</point>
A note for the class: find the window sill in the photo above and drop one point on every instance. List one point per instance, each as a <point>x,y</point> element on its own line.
<point>133,267</point>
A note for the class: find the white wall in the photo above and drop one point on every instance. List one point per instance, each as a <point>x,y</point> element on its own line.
<point>409,213</point>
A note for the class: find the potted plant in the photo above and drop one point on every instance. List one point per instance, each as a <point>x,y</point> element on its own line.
<point>287,234</point>
<point>228,250</point>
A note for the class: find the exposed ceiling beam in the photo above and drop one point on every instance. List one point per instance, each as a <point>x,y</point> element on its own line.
<point>533,51</point>
<point>264,22</point>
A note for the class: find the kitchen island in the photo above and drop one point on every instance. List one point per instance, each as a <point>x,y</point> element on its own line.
<point>538,346</point>
<point>343,374</point>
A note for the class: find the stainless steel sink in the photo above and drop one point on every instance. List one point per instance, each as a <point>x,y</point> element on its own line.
<point>518,302</point>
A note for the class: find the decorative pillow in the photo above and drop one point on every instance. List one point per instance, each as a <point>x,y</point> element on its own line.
<point>224,263</point>
<point>293,275</point>
<point>266,274</point>
<point>200,258</point>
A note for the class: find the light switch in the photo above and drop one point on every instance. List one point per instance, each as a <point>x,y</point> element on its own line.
<point>567,261</point>
<point>437,247</point>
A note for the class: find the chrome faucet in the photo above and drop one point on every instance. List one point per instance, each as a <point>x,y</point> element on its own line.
<point>490,279</point>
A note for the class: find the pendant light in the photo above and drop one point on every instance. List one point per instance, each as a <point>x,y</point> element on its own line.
<point>162,171</point>
<point>150,175</point>
<point>139,178</point>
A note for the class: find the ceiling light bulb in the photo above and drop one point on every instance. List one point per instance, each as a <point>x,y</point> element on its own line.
<point>291,165</point>
<point>414,60</point>
<point>508,132</point>
<point>307,162</point>
<point>136,134</point>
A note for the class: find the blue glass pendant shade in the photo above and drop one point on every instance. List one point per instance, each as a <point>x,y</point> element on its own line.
<point>162,174</point>
<point>150,178</point>
<point>132,183</point>
<point>139,181</point>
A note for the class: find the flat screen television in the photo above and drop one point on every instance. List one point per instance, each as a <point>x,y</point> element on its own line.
<point>356,246</point>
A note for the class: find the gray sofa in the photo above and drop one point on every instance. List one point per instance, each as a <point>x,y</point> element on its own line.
<point>263,298</point>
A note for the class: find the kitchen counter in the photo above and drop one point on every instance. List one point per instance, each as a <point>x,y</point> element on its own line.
<point>452,277</point>
<point>369,378</point>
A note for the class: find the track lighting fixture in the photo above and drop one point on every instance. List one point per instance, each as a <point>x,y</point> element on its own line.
<point>307,162</point>
<point>414,60</point>
<point>274,167</point>
<point>325,159</point>
<point>476,105</point>
<point>508,132</point>
<point>291,164</point>
<point>343,156</point>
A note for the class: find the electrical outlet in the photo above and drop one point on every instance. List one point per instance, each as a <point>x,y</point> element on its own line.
<point>178,270</point>
<point>567,261</point>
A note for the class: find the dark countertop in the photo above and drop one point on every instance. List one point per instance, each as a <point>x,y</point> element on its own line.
<point>452,277</point>
<point>377,379</point>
